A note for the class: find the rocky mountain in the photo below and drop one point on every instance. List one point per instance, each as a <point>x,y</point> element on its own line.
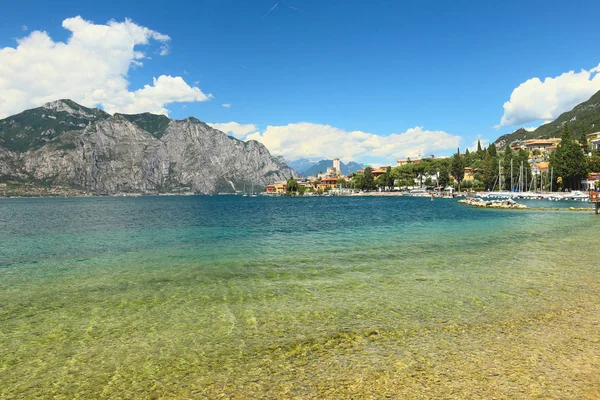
<point>321,166</point>
<point>64,143</point>
<point>583,118</point>
<point>306,168</point>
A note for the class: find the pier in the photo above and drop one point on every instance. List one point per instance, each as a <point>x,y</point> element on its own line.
<point>595,198</point>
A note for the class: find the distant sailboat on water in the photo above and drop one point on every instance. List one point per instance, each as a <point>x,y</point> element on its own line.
<point>252,194</point>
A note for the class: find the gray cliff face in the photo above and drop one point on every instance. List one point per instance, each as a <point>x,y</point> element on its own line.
<point>9,165</point>
<point>115,155</point>
<point>195,163</point>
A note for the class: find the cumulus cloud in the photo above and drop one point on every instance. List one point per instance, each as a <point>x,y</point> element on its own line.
<point>316,142</point>
<point>535,99</point>
<point>237,130</point>
<point>226,105</point>
<point>91,67</point>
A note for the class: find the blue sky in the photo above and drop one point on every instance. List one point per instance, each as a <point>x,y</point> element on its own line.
<point>334,77</point>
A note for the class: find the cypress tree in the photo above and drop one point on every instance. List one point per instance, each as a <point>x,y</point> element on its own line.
<point>458,168</point>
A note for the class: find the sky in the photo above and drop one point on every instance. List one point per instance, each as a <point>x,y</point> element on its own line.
<point>371,81</point>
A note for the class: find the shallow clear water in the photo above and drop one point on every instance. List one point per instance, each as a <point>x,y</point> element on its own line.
<point>200,296</point>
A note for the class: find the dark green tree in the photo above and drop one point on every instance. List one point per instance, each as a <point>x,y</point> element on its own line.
<point>291,186</point>
<point>380,181</point>
<point>468,159</point>
<point>357,181</point>
<point>584,143</point>
<point>444,176</point>
<point>569,162</point>
<point>594,164</point>
<point>479,150</point>
<point>390,179</point>
<point>458,168</point>
<point>405,175</point>
<point>368,180</point>
<point>492,150</point>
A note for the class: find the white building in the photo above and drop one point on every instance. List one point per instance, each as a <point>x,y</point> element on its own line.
<point>337,165</point>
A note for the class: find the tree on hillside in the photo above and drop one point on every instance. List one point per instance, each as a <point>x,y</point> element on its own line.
<point>584,143</point>
<point>492,150</point>
<point>458,168</point>
<point>479,150</point>
<point>467,158</point>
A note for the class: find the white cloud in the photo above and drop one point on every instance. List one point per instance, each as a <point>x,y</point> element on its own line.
<point>237,130</point>
<point>545,100</point>
<point>164,50</point>
<point>24,28</point>
<point>91,68</point>
<point>226,105</point>
<point>316,142</point>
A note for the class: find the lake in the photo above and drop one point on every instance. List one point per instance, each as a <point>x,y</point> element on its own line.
<point>322,297</point>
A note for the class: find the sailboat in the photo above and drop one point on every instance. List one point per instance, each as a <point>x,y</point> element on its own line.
<point>245,194</point>
<point>252,194</point>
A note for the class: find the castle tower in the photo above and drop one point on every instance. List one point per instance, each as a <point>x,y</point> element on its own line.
<point>336,165</point>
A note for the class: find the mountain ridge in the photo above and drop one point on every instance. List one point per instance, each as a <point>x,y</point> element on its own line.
<point>63,142</point>
<point>583,118</point>
<point>305,167</point>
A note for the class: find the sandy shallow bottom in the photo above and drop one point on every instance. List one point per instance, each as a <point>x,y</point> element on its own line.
<point>555,356</point>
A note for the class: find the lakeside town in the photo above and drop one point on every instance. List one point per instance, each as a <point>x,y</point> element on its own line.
<point>550,168</point>
<point>533,166</point>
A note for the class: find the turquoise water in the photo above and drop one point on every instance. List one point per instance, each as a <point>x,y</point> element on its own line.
<point>241,297</point>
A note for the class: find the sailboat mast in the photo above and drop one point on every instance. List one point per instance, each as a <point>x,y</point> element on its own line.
<point>511,175</point>
<point>526,181</point>
<point>521,178</point>
<point>499,177</point>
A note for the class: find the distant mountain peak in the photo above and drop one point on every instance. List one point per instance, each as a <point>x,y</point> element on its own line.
<point>305,167</point>
<point>64,105</point>
<point>63,142</point>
